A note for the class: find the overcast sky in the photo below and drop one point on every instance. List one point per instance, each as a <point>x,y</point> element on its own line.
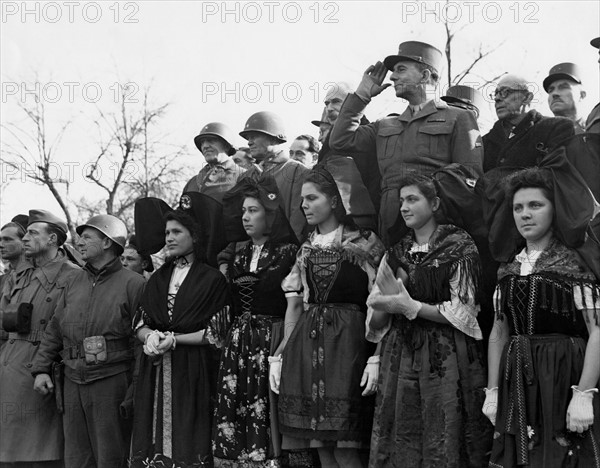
<point>216,61</point>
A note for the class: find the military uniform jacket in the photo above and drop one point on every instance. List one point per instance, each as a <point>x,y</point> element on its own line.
<point>31,427</point>
<point>215,179</point>
<point>592,123</point>
<point>95,303</point>
<point>531,139</point>
<point>436,136</point>
<point>289,176</point>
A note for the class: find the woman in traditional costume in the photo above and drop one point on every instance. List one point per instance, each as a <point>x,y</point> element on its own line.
<point>318,368</point>
<point>423,310</point>
<point>183,316</point>
<point>246,433</point>
<point>544,351</point>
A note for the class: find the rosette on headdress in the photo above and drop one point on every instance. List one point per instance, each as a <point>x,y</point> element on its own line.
<point>150,223</point>
<point>265,188</point>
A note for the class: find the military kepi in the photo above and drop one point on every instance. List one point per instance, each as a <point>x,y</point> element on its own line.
<point>43,216</point>
<point>562,71</point>
<point>465,95</point>
<point>418,52</point>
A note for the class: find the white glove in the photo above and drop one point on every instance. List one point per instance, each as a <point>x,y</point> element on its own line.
<point>151,343</point>
<point>580,413</point>
<point>400,303</point>
<point>275,363</point>
<point>490,405</point>
<point>370,376</point>
<point>370,85</point>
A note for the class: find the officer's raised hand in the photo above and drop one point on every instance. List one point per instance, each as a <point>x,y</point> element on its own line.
<point>43,384</point>
<point>371,83</point>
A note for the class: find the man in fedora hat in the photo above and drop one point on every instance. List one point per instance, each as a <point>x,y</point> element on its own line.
<point>592,123</point>
<point>565,93</point>
<point>428,135</point>
<point>324,127</point>
<point>215,142</point>
<point>32,432</point>
<point>91,331</point>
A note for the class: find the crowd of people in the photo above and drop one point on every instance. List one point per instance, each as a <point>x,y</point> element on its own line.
<point>398,293</point>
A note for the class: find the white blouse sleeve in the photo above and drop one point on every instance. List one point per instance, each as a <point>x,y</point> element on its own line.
<point>463,316</point>
<point>292,283</point>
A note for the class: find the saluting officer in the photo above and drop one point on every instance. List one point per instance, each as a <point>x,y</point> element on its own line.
<point>428,135</point>
<point>32,433</point>
<point>91,330</point>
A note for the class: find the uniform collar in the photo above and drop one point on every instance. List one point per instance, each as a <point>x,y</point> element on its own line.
<point>50,270</point>
<point>426,108</point>
<point>227,164</point>
<point>108,269</point>
<point>275,158</point>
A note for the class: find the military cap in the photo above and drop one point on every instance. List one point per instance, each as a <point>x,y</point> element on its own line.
<point>595,42</point>
<point>562,71</point>
<point>318,123</point>
<point>417,52</point>
<point>43,216</point>
<point>132,244</point>
<point>22,220</point>
<point>465,95</point>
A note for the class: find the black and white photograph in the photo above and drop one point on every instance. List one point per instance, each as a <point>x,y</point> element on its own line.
<point>280,234</point>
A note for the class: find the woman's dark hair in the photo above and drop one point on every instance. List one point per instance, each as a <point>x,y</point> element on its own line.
<point>196,230</point>
<point>251,193</point>
<point>326,184</point>
<point>423,183</point>
<point>532,177</point>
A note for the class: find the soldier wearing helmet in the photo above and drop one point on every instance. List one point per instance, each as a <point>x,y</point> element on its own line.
<point>91,331</point>
<point>266,134</point>
<point>215,142</point>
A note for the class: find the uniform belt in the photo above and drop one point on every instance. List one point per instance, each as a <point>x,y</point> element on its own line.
<point>112,346</point>
<point>34,336</point>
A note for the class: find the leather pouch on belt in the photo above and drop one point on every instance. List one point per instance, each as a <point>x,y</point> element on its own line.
<point>94,348</point>
<point>16,318</point>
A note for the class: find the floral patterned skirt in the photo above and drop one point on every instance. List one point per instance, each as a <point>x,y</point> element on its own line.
<point>428,408</point>
<point>244,436</point>
<point>536,374</point>
<point>320,402</point>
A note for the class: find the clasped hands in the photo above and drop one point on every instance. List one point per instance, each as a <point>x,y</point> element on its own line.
<point>395,304</point>
<point>158,343</point>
